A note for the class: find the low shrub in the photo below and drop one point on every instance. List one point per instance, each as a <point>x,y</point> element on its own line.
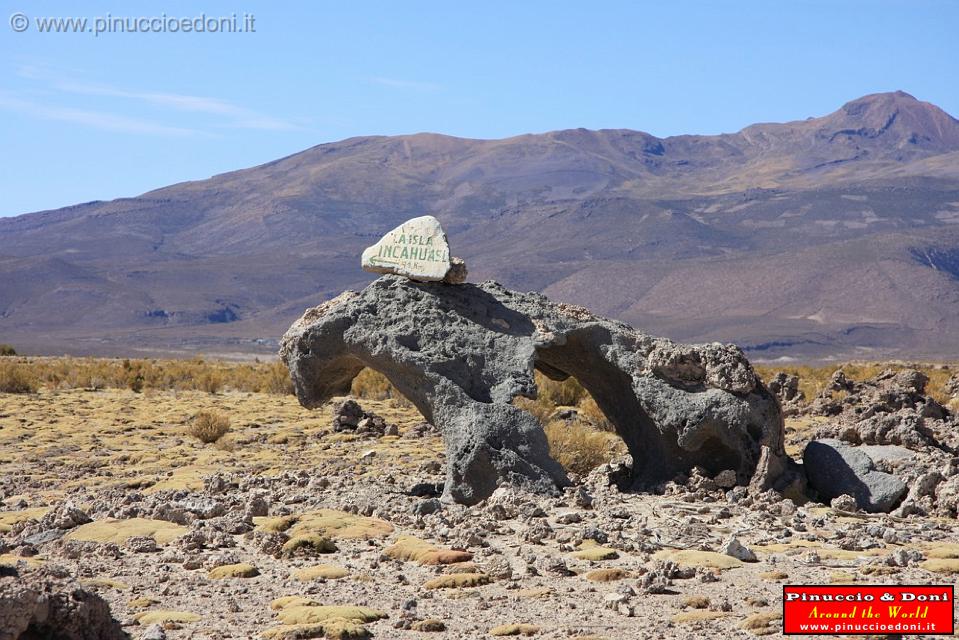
<point>209,426</point>
<point>814,379</point>
<point>7,350</point>
<point>567,393</point>
<point>210,381</point>
<point>375,386</point>
<point>16,377</point>
<point>278,380</point>
<point>592,413</point>
<point>160,375</point>
<point>581,448</point>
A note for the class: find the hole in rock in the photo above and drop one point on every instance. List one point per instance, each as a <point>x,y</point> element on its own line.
<point>580,435</point>
<point>373,385</point>
<point>657,455</point>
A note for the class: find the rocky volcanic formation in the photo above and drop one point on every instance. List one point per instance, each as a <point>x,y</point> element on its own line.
<point>462,353</point>
<point>887,445</point>
<point>48,603</point>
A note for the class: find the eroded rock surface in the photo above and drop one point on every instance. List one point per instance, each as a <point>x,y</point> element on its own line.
<point>786,387</point>
<point>45,602</point>
<point>904,432</point>
<point>461,354</point>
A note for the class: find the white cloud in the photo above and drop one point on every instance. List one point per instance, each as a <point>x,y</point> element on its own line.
<point>232,116</point>
<point>95,119</point>
<point>236,116</point>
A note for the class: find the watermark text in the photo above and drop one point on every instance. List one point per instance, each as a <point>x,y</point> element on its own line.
<point>110,24</point>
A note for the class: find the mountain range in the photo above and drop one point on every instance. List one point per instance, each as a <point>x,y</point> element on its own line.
<point>834,236</point>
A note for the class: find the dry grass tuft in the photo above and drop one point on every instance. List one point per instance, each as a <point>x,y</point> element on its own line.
<point>276,523</point>
<point>142,603</point>
<point>567,393</point>
<point>321,571</point>
<point>761,621</point>
<point>209,426</point>
<point>308,544</point>
<point>304,611</point>
<point>521,629</point>
<point>813,380</point>
<point>841,577</point>
<point>242,570</point>
<point>277,380</point>
<point>173,375</point>
<point>580,443</point>
<point>374,386</point>
<point>580,448</point>
<point>119,531</point>
<point>10,518</point>
<point>430,625</point>
<point>105,583</point>
<point>457,581</point>
<point>697,615</point>
<point>210,381</point>
<point>17,378</point>
<point>774,576</point>
<point>333,629</point>
<point>410,548</point>
<point>592,552</point>
<point>695,602</point>
<point>943,550</point>
<point>164,617</point>
<point>340,525</point>
<point>607,575</point>
<point>227,444</point>
<point>941,565</point>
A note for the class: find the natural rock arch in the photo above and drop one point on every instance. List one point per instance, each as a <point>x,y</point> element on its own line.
<point>461,354</point>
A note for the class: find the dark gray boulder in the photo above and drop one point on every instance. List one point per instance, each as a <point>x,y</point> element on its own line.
<point>834,468</point>
<point>461,354</point>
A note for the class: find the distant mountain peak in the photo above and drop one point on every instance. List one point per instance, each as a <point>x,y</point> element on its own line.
<point>884,102</point>
<point>765,236</point>
<point>896,117</point>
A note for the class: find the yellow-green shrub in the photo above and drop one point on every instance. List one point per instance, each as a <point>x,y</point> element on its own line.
<point>581,448</point>
<point>209,426</point>
<point>17,378</point>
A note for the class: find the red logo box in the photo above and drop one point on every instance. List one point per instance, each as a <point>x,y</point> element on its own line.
<point>868,609</point>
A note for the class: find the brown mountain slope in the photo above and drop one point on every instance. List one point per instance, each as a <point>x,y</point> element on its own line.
<point>831,234</point>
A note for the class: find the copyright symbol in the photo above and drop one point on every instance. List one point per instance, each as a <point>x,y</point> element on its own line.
<point>19,22</point>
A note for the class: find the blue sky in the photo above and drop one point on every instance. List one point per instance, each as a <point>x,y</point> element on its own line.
<point>93,117</point>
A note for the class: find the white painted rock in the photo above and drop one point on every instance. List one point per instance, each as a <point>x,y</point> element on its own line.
<point>416,249</point>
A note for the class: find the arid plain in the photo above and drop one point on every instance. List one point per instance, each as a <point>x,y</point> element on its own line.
<point>281,527</point>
